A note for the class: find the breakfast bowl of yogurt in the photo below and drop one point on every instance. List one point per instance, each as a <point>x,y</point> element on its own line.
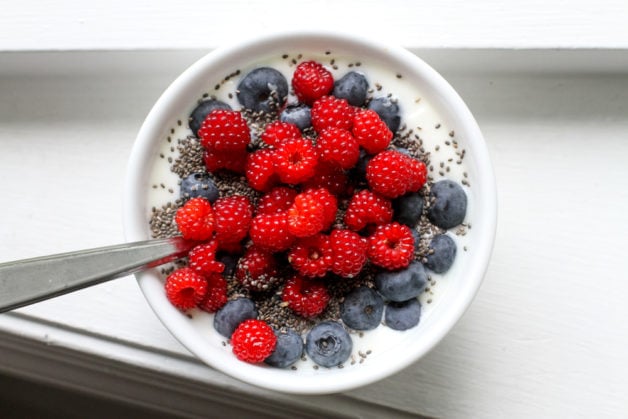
<point>340,202</point>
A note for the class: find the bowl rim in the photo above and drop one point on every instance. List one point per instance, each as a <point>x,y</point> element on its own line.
<point>135,228</point>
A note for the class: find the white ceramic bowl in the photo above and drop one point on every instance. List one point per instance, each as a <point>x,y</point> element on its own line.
<point>391,351</point>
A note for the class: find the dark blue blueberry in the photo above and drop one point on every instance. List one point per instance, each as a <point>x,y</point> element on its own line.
<point>388,111</point>
<point>232,314</point>
<point>359,170</point>
<point>288,350</point>
<point>362,309</point>
<point>199,185</point>
<point>230,261</point>
<point>353,86</point>
<point>203,109</point>
<point>404,284</point>
<point>263,89</point>
<point>299,115</point>
<point>408,209</point>
<point>403,315</point>
<point>328,344</point>
<point>449,204</point>
<point>444,253</point>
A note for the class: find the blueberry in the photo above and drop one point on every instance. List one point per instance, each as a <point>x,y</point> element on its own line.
<point>408,208</point>
<point>199,185</point>
<point>403,315</point>
<point>404,284</point>
<point>353,87</point>
<point>359,170</point>
<point>232,314</point>
<point>362,309</point>
<point>203,109</point>
<point>388,111</point>
<point>449,206</point>
<point>444,253</point>
<point>230,261</point>
<point>328,344</point>
<point>288,350</point>
<point>299,115</point>
<point>263,89</point>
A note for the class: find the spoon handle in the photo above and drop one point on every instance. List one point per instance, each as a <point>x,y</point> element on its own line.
<point>28,281</point>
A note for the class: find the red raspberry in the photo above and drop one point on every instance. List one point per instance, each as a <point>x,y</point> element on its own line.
<point>253,341</point>
<point>370,131</point>
<point>311,256</point>
<point>257,269</point>
<point>338,147</point>
<point>185,288</point>
<point>391,246</point>
<point>329,177</point>
<point>295,160</point>
<point>329,111</point>
<point>311,81</point>
<point>270,231</point>
<point>279,199</point>
<point>224,130</point>
<point>233,218</point>
<point>329,202</point>
<point>216,295</point>
<point>367,208</point>
<point>306,297</point>
<point>260,170</point>
<point>348,253</point>
<point>195,219</point>
<point>392,174</point>
<point>227,160</point>
<point>202,259</point>
<point>305,216</point>
<point>277,132</point>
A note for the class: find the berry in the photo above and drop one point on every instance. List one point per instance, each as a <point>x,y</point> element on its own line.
<point>305,216</point>
<point>328,344</point>
<point>195,219</point>
<point>338,147</point>
<point>224,130</point>
<point>201,111</point>
<point>299,115</point>
<point>306,297</point>
<point>270,231</point>
<point>295,160</point>
<point>329,177</point>
<point>348,252</point>
<point>260,170</point>
<point>311,81</point>
<point>185,288</point>
<point>359,170</point>
<point>288,350</point>
<point>366,208</point>
<point>233,218</point>
<point>202,259</point>
<point>330,112</point>
<point>362,309</point>
<point>232,314</point>
<point>278,199</point>
<point>311,256</point>
<point>257,270</point>
<point>448,204</point>
<point>403,315</point>
<point>224,160</point>
<point>329,202</point>
<point>388,111</point>
<point>216,296</point>
<point>263,90</point>
<point>392,174</point>
<point>199,185</point>
<point>418,174</point>
<point>391,246</point>
<point>408,209</point>
<point>444,253</point>
<point>253,341</point>
<point>277,132</point>
<point>370,131</point>
<point>402,285</point>
<point>229,260</point>
<point>353,87</point>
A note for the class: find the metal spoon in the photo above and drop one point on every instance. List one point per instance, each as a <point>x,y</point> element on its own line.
<point>28,281</point>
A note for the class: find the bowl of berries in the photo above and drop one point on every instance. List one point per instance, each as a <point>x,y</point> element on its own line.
<point>340,202</point>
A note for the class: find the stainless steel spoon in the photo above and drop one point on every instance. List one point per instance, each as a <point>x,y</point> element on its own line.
<point>28,281</point>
